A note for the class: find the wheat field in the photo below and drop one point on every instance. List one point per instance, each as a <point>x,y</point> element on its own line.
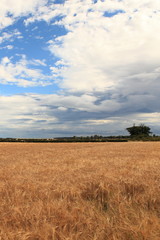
<point>80,191</point>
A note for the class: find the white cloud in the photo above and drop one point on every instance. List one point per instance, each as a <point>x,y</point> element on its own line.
<point>9,47</point>
<point>149,118</point>
<point>37,62</point>
<point>23,112</point>
<point>101,52</point>
<point>23,72</point>
<point>12,9</point>
<point>9,36</point>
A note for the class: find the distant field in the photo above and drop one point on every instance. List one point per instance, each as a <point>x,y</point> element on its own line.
<point>80,191</point>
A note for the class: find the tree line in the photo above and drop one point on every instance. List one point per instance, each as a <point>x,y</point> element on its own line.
<point>140,132</point>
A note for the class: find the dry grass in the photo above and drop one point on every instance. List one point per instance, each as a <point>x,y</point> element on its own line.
<point>80,191</point>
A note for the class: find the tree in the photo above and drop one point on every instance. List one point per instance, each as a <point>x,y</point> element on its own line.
<point>139,131</point>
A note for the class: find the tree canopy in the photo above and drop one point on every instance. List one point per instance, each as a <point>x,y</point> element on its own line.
<point>140,130</point>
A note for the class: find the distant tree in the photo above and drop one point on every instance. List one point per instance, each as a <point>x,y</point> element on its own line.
<point>141,130</point>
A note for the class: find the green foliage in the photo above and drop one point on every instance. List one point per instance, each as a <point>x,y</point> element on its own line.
<point>139,131</point>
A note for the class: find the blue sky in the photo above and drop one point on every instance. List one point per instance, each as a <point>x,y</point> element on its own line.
<point>78,67</point>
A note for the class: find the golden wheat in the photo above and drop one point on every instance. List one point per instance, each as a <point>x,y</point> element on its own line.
<point>80,191</point>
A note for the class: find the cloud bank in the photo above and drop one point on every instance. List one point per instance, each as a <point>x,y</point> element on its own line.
<point>53,115</point>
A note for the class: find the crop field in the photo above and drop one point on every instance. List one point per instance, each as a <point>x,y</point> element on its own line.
<point>80,191</point>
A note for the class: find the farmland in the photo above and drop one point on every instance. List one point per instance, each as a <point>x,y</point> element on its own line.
<point>80,191</point>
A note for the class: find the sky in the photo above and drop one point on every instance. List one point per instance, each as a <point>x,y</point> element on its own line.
<point>78,67</point>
